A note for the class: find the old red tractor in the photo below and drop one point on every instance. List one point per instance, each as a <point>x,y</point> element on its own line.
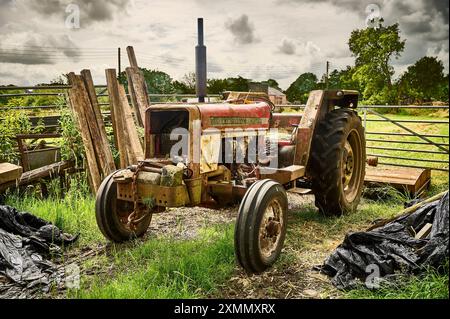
<point>225,153</point>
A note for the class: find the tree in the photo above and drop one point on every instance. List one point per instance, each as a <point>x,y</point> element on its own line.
<point>217,86</point>
<point>239,84</point>
<point>423,80</point>
<point>190,80</point>
<point>158,82</point>
<point>373,49</point>
<point>273,84</point>
<point>299,90</point>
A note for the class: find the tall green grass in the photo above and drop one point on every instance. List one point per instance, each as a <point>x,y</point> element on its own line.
<point>166,268</point>
<point>432,284</point>
<point>74,213</point>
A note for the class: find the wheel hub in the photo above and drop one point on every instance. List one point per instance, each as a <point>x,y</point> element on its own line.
<point>270,229</point>
<point>351,166</point>
<point>348,164</point>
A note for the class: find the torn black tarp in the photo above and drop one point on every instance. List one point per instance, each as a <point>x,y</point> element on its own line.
<point>27,243</point>
<point>392,247</point>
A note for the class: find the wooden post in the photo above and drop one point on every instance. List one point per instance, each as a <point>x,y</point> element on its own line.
<point>136,152</point>
<point>132,57</point>
<point>78,100</point>
<point>117,116</point>
<point>104,147</point>
<point>138,93</point>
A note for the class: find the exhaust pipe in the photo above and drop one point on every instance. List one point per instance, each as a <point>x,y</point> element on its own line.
<point>200,64</point>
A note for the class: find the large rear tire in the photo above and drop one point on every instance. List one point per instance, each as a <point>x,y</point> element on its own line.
<point>261,226</point>
<point>337,162</point>
<point>112,214</point>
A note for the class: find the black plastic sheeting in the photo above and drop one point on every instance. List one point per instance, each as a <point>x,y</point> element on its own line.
<point>27,246</point>
<point>391,248</point>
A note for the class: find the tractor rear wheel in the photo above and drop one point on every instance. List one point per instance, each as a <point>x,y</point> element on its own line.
<point>112,214</point>
<point>261,226</point>
<point>337,162</point>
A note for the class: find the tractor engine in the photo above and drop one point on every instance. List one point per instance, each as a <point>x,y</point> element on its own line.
<point>208,138</point>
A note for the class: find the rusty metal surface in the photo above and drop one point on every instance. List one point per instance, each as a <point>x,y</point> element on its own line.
<point>228,115</point>
<point>306,127</point>
<point>176,196</point>
<point>285,120</point>
<point>283,175</point>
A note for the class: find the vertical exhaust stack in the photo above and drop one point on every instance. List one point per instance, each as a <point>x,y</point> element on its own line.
<point>200,64</point>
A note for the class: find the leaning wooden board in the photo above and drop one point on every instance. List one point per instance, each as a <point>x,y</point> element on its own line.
<point>9,172</point>
<point>403,178</point>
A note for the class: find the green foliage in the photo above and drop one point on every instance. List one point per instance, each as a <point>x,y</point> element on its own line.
<point>298,91</point>
<point>373,49</point>
<point>424,81</point>
<point>273,83</point>
<point>340,79</point>
<point>218,86</point>
<point>71,143</point>
<point>158,82</point>
<point>12,123</point>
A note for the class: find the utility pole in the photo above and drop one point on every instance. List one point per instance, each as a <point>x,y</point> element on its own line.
<point>327,73</point>
<point>119,62</point>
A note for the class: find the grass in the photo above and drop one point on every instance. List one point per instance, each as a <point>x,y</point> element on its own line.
<point>431,129</point>
<point>432,284</point>
<point>166,268</point>
<point>169,268</point>
<point>74,213</point>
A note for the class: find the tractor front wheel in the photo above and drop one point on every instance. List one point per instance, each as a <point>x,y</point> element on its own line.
<point>112,214</point>
<point>261,226</point>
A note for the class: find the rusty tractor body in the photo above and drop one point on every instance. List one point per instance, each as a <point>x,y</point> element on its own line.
<point>219,154</point>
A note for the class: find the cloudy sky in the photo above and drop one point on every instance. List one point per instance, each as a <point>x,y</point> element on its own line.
<point>258,39</point>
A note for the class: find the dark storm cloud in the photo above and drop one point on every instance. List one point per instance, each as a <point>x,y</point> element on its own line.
<point>242,30</point>
<point>90,10</point>
<point>441,6</point>
<point>287,47</point>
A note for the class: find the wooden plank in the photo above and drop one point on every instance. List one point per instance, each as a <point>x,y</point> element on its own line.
<point>409,210</point>
<point>77,101</point>
<point>43,172</point>
<point>138,92</point>
<point>9,172</point>
<point>133,98</point>
<point>424,231</point>
<point>103,166</point>
<point>117,116</point>
<point>400,178</point>
<point>135,150</point>
<point>109,165</point>
<point>132,57</point>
